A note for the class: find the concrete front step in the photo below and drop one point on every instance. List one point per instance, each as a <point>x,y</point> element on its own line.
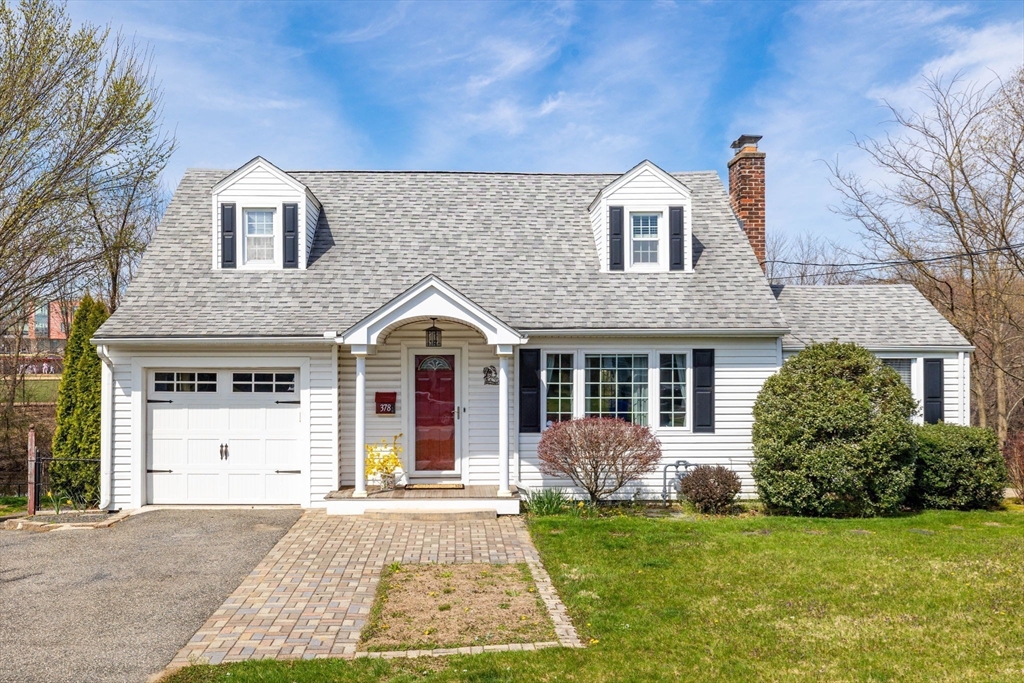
<point>429,515</point>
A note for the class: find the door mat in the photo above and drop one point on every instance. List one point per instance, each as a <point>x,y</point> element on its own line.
<point>422,487</point>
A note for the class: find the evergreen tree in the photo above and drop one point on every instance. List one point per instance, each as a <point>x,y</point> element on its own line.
<point>65,440</point>
<point>79,410</point>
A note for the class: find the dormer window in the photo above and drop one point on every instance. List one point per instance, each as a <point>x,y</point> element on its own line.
<point>259,236</point>
<point>645,238</point>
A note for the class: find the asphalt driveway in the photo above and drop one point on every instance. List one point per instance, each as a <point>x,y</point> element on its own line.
<point>117,604</point>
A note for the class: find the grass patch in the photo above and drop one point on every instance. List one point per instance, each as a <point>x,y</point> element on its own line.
<point>10,505</point>
<point>39,389</point>
<point>428,606</point>
<point>751,598</point>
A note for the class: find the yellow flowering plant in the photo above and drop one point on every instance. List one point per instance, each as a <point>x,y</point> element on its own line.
<point>382,459</point>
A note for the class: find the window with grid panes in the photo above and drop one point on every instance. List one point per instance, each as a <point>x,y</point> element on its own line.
<point>558,379</point>
<point>645,237</point>
<point>616,386</point>
<point>263,382</point>
<point>672,390</point>
<point>186,382</point>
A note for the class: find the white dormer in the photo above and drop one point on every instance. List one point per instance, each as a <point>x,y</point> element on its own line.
<point>274,219</point>
<point>643,217</point>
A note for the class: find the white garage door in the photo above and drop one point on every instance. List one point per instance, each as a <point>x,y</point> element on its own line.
<point>224,437</point>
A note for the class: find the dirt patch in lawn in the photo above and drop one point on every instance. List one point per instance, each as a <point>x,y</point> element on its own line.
<point>427,606</point>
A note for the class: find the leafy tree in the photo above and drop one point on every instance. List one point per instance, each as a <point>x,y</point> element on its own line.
<point>832,435</point>
<point>65,438</point>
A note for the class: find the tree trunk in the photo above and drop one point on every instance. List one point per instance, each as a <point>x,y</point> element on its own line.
<point>998,358</point>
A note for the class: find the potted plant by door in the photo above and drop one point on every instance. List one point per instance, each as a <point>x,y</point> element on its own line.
<point>383,463</point>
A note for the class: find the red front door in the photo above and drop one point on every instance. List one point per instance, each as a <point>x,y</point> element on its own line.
<point>435,413</point>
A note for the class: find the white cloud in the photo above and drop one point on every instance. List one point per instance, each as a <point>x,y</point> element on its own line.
<point>834,64</point>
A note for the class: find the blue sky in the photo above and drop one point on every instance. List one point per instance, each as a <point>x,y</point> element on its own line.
<point>558,87</point>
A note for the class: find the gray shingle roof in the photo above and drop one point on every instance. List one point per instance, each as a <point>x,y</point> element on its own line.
<point>519,245</point>
<point>875,316</point>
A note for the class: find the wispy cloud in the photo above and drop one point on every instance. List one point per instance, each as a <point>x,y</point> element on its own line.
<point>556,87</point>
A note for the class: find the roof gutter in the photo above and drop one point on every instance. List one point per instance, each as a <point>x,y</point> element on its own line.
<point>163,341</point>
<point>907,348</point>
<point>654,332</point>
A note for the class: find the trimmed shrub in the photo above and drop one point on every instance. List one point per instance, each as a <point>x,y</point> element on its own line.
<point>712,489</point>
<point>832,435</point>
<point>958,468</point>
<point>599,454</point>
<point>79,410</point>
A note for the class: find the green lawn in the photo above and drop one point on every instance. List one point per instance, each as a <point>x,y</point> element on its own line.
<point>931,597</point>
<point>39,389</point>
<point>11,504</point>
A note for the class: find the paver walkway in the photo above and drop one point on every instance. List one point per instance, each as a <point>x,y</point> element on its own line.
<point>311,595</point>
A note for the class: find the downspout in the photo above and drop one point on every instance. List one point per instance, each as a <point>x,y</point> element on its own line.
<point>106,424</point>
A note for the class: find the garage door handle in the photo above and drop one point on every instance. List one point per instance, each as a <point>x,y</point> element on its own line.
<point>158,471</point>
<point>290,402</point>
<point>287,471</point>
<point>156,400</point>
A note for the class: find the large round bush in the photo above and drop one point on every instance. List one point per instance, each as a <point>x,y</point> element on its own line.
<point>958,468</point>
<point>832,435</point>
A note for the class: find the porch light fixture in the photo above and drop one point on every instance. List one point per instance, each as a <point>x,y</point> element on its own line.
<point>433,335</point>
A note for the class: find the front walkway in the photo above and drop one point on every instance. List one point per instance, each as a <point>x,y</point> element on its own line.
<point>311,595</point>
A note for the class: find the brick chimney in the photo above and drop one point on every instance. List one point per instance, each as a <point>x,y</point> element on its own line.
<point>746,191</point>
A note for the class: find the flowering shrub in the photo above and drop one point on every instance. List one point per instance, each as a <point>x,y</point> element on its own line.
<point>711,488</point>
<point>382,458</point>
<point>600,455</point>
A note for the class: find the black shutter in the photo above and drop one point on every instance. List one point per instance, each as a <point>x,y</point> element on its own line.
<point>291,235</point>
<point>704,390</point>
<point>933,407</point>
<point>529,391</point>
<point>616,259</point>
<point>675,238</point>
<point>228,247</point>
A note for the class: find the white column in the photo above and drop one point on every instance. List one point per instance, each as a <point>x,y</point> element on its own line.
<point>360,440</point>
<point>503,487</point>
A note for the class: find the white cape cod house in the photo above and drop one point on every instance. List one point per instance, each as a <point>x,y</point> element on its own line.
<point>282,320</point>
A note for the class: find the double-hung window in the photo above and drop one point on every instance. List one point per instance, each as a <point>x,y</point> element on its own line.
<point>558,382</point>
<point>902,368</point>
<point>259,236</point>
<point>645,237</point>
<point>672,390</point>
<point>616,386</point>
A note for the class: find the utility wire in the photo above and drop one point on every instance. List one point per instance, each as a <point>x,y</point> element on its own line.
<point>852,268</point>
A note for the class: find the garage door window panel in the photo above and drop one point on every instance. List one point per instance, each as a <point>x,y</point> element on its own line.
<point>186,382</point>
<point>263,382</point>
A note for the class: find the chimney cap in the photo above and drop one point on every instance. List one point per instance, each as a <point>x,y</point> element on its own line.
<point>746,141</point>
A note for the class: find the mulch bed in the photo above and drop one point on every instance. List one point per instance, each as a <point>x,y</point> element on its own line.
<point>428,606</point>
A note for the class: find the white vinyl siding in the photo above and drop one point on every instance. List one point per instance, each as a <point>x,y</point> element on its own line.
<point>479,421</point>
<point>311,218</point>
<point>741,367</point>
<point>262,188</point>
<point>646,192</point>
<point>318,430</point>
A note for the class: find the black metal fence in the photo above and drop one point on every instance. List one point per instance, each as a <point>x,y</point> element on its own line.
<point>42,478</point>
<point>14,487</point>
